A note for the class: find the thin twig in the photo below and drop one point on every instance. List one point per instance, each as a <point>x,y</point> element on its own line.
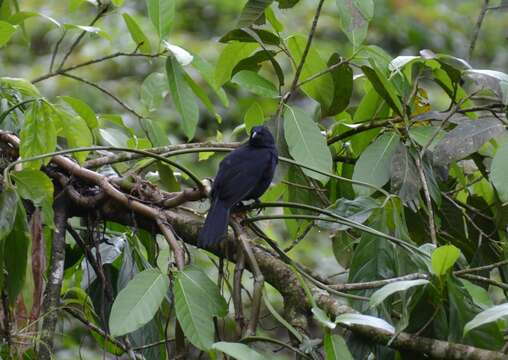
<point>96,61</point>
<point>83,33</point>
<point>476,32</point>
<point>107,92</point>
<point>482,268</point>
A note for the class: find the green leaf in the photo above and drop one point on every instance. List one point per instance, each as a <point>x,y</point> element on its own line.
<point>207,72</point>
<point>137,34</point>
<point>383,87</point>
<point>381,294</point>
<point>321,316</point>
<point>306,143</point>
<point>354,18</point>
<point>16,246</point>
<point>153,91</point>
<point>138,302</point>
<point>322,88</point>
<point>76,133</point>
<point>8,203</point>
<point>38,135</point>
<point>365,320</point>
<point>202,95</point>
<point>6,32</point>
<point>497,81</point>
<point>342,84</point>
<point>498,171</point>
<point>272,19</point>
<point>465,139</point>
<point>254,116</point>
<point>117,3</point>
<point>336,348</point>
<point>357,210</point>
<point>89,29</point>
<point>230,56</point>
<point>252,11</point>
<point>197,301</point>
<point>25,87</point>
<point>487,316</point>
<point>240,35</point>
<point>182,96</point>
<point>33,185</point>
<point>238,351</point>
<point>82,109</point>
<point>405,180</point>
<point>21,16</point>
<point>287,4</point>
<point>373,166</point>
<point>443,259</point>
<point>255,83</point>
<point>162,15</point>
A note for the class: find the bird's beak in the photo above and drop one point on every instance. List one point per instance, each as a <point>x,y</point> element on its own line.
<point>254,134</point>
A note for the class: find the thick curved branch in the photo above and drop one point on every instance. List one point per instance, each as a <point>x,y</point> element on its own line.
<point>118,207</point>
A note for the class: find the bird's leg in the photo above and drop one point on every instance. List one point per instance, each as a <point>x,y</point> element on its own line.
<point>258,277</point>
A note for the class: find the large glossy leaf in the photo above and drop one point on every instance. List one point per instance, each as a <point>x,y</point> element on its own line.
<point>373,166</point>
<point>357,210</point>
<point>255,83</point>
<point>162,15</point>
<point>138,302</point>
<point>267,37</point>
<point>405,181</point>
<point>207,71</point>
<point>342,84</point>
<point>25,87</point>
<point>443,259</point>
<point>16,247</point>
<point>33,185</point>
<point>365,320</point>
<point>254,116</point>
<point>490,315</point>
<point>153,91</point>
<point>82,109</point>
<point>197,301</point>
<point>497,81</point>
<point>201,94</point>
<point>322,88</point>
<point>8,206</point>
<point>237,351</point>
<point>6,32</point>
<point>466,139</point>
<point>498,172</point>
<point>183,98</point>
<point>76,133</point>
<point>89,29</point>
<point>462,310</point>
<point>354,16</point>
<point>306,143</point>
<point>287,4</point>
<point>230,56</point>
<point>38,135</point>
<point>383,87</point>
<point>137,34</point>
<point>335,347</point>
<point>381,294</point>
<point>252,11</point>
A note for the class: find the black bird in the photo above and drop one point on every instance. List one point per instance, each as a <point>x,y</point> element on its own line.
<point>244,174</point>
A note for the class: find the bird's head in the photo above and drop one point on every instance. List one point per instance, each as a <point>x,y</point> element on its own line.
<point>260,136</point>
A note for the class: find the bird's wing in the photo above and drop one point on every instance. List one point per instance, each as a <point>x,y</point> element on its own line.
<point>238,174</point>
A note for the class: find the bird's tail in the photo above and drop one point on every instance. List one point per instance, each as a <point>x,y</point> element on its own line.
<point>216,224</point>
